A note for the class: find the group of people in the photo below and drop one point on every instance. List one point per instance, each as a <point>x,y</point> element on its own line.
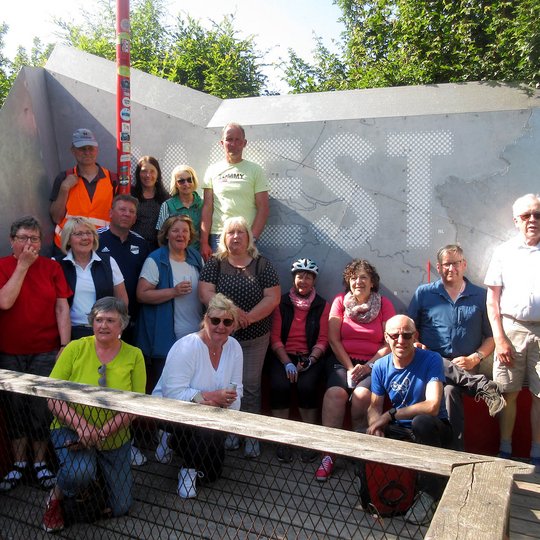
<point>168,293</point>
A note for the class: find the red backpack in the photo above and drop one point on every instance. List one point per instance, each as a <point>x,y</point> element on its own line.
<point>386,490</point>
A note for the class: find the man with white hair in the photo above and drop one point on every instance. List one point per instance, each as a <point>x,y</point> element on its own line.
<point>513,302</point>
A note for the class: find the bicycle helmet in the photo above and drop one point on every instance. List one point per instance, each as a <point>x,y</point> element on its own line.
<point>304,265</point>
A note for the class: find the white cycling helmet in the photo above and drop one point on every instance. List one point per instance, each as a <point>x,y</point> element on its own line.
<point>304,265</point>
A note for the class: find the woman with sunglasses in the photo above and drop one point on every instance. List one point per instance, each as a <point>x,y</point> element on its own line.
<point>184,199</point>
<point>149,191</point>
<point>90,275</point>
<point>87,439</point>
<point>204,367</point>
<point>356,335</point>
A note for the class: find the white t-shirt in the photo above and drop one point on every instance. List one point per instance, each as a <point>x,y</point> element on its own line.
<point>188,310</point>
<point>516,267</point>
<point>85,292</point>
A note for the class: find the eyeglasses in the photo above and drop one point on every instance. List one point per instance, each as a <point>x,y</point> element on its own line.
<point>80,234</point>
<point>23,238</point>
<point>405,335</point>
<point>447,265</point>
<point>185,180</point>
<point>102,370</point>
<point>216,320</point>
<point>527,215</point>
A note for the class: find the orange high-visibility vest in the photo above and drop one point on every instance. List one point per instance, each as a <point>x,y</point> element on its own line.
<point>79,203</point>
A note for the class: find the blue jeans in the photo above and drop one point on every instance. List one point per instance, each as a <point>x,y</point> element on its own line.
<point>79,467</point>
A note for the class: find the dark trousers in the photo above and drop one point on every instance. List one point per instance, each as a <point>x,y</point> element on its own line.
<point>428,430</point>
<point>459,382</point>
<point>307,385</point>
<point>200,449</point>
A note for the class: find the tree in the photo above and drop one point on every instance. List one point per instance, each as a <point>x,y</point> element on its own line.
<point>212,60</point>
<point>404,42</point>
<point>10,68</point>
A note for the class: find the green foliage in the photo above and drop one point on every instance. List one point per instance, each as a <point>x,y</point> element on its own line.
<point>10,68</point>
<point>212,60</point>
<point>405,42</point>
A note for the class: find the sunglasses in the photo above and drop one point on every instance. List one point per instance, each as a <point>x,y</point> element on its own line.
<point>185,180</point>
<point>404,335</point>
<point>216,320</point>
<point>102,370</point>
<point>527,215</point>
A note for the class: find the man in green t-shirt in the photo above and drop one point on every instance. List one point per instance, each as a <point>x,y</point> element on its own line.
<point>232,187</point>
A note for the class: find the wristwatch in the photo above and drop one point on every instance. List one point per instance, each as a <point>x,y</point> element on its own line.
<point>480,355</point>
<point>392,412</point>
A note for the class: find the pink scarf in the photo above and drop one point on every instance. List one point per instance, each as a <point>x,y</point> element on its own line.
<point>362,313</point>
<point>302,303</point>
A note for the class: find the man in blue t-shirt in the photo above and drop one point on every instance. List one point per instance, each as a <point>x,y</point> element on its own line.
<point>451,317</point>
<point>413,380</point>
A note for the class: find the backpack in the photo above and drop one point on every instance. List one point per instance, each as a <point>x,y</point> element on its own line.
<point>385,490</point>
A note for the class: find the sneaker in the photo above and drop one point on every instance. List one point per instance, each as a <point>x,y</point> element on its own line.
<point>14,477</point>
<point>187,480</point>
<point>284,453</point>
<point>491,394</point>
<point>232,442</point>
<point>163,451</point>
<point>137,457</point>
<point>252,448</point>
<point>325,469</point>
<point>53,519</point>
<point>421,512</point>
<point>46,479</point>
<point>308,456</point>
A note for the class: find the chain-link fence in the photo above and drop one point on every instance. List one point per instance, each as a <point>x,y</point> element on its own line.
<point>166,473</point>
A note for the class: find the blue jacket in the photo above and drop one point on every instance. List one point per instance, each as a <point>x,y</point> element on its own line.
<point>155,324</point>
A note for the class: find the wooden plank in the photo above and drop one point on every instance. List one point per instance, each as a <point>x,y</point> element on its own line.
<point>475,504</point>
<point>355,445</point>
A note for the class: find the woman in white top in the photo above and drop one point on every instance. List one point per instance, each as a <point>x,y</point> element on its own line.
<point>90,275</point>
<point>204,367</point>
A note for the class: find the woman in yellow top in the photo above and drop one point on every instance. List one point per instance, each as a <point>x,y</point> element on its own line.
<point>84,437</point>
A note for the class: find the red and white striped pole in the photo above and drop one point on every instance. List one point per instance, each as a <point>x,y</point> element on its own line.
<point>123,96</point>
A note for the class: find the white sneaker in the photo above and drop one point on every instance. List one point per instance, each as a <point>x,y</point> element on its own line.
<point>137,457</point>
<point>163,452</point>
<point>232,442</point>
<point>421,512</point>
<point>187,480</point>
<point>252,448</point>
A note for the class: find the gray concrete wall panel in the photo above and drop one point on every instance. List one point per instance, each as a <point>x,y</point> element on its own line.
<point>389,174</point>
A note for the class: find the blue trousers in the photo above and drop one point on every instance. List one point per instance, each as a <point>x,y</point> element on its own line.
<point>78,468</point>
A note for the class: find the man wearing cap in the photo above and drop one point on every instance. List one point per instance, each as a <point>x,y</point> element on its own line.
<point>513,303</point>
<point>85,190</point>
<point>232,187</point>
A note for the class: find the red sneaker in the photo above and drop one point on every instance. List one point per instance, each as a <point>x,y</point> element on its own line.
<point>53,519</point>
<point>325,469</point>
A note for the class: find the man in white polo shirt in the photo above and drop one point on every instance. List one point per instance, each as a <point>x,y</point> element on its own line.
<point>513,302</point>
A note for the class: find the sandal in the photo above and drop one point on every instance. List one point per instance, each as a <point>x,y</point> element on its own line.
<point>13,478</point>
<point>46,479</point>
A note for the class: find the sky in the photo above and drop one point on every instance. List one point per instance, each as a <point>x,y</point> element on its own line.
<point>276,24</point>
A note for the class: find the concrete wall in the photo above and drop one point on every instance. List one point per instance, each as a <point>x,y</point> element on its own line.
<point>389,175</point>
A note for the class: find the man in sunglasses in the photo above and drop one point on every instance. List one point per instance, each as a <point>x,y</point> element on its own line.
<point>451,318</point>
<point>413,379</point>
<point>233,187</point>
<point>513,303</point>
